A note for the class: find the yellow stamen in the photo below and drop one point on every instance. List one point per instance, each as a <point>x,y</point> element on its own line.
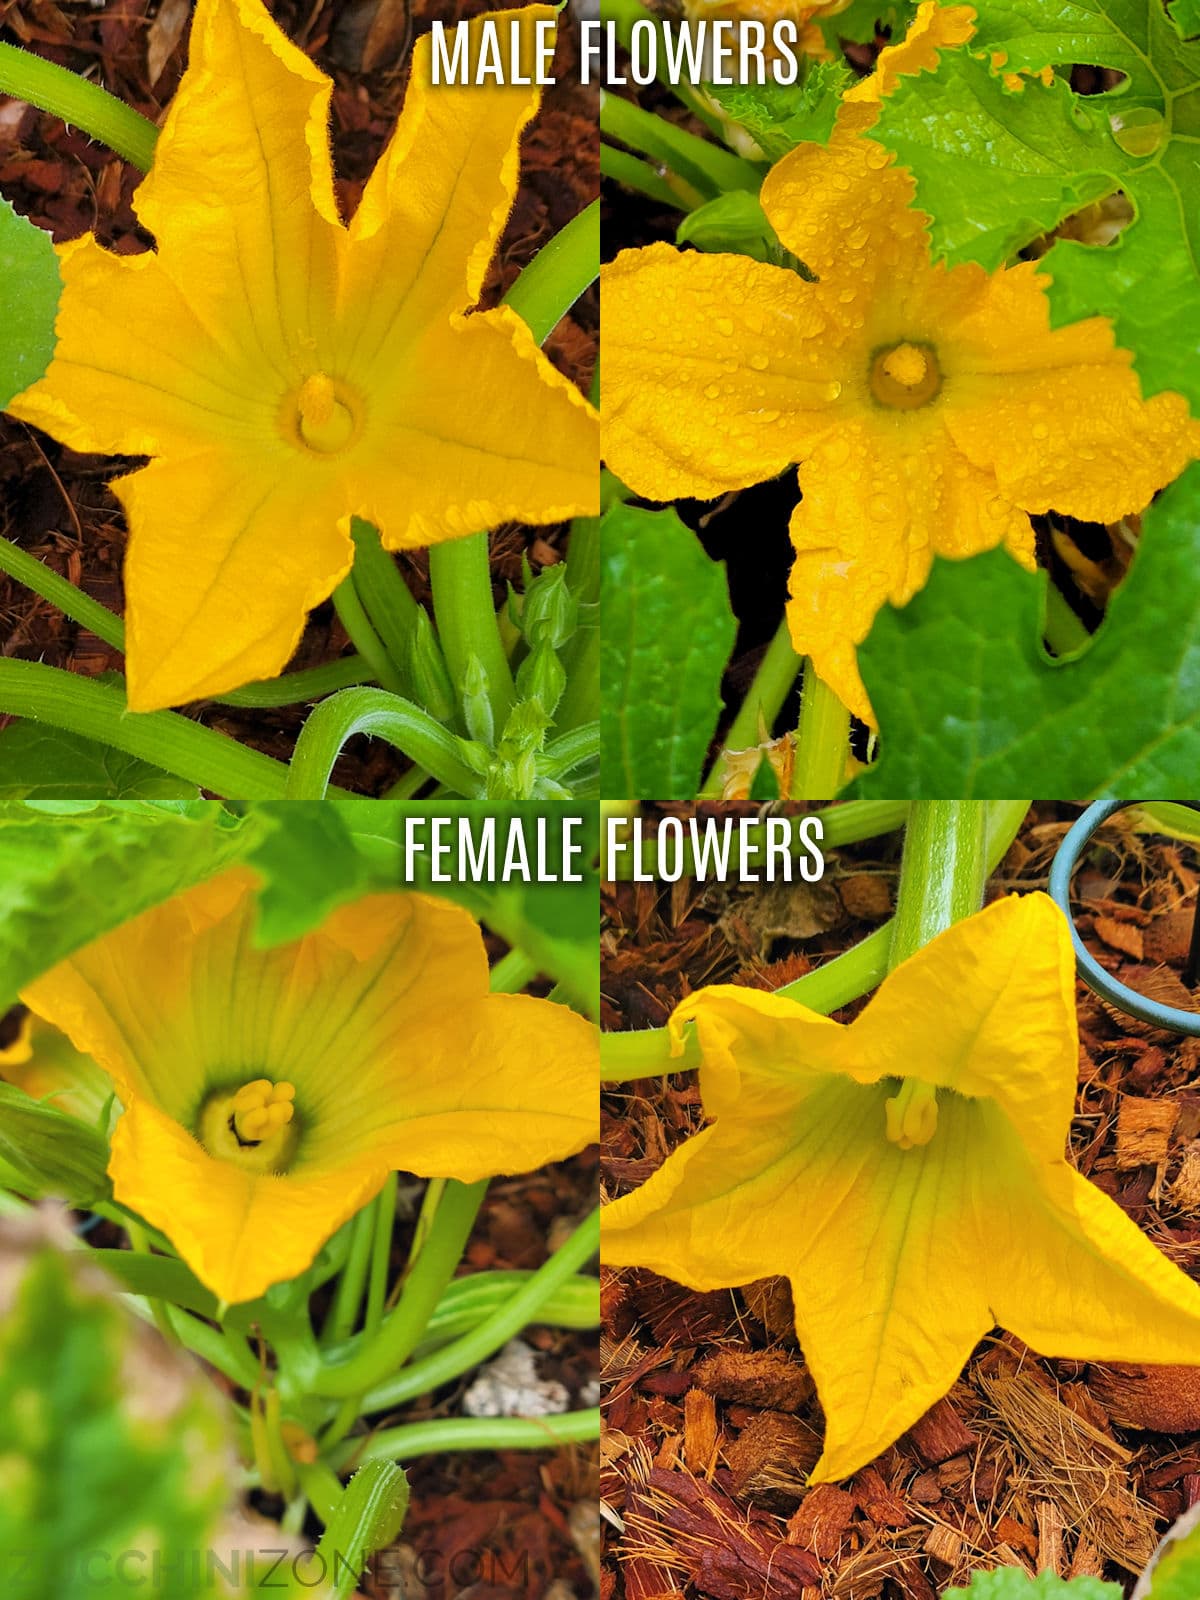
<point>255,1127</point>
<point>912,1114</point>
<point>324,422</point>
<point>262,1108</point>
<point>905,376</point>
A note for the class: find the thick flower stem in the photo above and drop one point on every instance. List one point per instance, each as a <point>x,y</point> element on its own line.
<point>347,1299</point>
<point>388,601</point>
<point>633,173</point>
<point>822,743</point>
<point>460,574</point>
<point>771,686</point>
<point>386,716</point>
<point>469,1433</point>
<point>82,104</point>
<point>512,972</point>
<point>942,872</point>
<point>401,1331</point>
<point>488,1336</point>
<point>164,738</point>
<point>646,1053</point>
<point>705,166</point>
<point>381,1252</point>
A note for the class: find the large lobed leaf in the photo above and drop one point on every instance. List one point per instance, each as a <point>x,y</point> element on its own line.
<point>997,167</point>
<point>28,302</point>
<point>969,705</point>
<point>668,630</point>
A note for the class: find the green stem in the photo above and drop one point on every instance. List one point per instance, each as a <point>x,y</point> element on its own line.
<point>1065,633</point>
<point>572,750</point>
<point>705,166</point>
<point>512,972</point>
<point>461,577</point>
<point>646,1052</point>
<point>942,872</point>
<point>560,272</point>
<point>381,1253</point>
<point>363,636</point>
<point>82,104</point>
<point>823,741</point>
<point>386,716</point>
<point>297,688</point>
<point>580,703</point>
<point>772,684</point>
<point>469,1433</point>
<point>401,1331</point>
<point>386,598</point>
<point>468,1301</point>
<point>163,738</point>
<point>467,1351</point>
<point>633,173</point>
<point>347,1299</point>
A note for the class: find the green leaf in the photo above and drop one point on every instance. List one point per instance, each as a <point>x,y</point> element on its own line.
<point>38,762</point>
<point>70,872</point>
<point>1175,1575</point>
<point>30,276</point>
<point>861,18</point>
<point>969,705</point>
<point>780,116</point>
<point>91,1470</point>
<point>309,865</point>
<point>668,631</point>
<point>995,168</point>
<point>1185,14</point>
<point>732,222</point>
<point>1012,1583</point>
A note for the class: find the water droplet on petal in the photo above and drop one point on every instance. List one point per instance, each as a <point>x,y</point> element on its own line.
<point>759,361</point>
<point>723,325</point>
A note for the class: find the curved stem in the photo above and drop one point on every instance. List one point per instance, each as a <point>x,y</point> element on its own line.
<point>522,1308</point>
<point>85,105</point>
<point>772,684</point>
<point>293,688</point>
<point>164,738</point>
<point>363,636</point>
<point>469,1433</point>
<point>387,716</point>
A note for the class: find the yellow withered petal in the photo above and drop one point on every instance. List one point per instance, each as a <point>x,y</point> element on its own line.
<point>881,497</point>
<point>433,209</point>
<point>282,1085</point>
<point>714,376</point>
<point>906,1172</point>
<point>935,27</point>
<point>527,451</point>
<point>259,554</point>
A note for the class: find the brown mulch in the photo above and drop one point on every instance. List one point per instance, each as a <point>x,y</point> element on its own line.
<point>711,1416</point>
<point>55,503</point>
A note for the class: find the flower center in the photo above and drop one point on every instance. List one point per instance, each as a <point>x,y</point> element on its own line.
<point>905,376</point>
<point>324,420</point>
<point>254,1126</point>
<point>912,1114</point>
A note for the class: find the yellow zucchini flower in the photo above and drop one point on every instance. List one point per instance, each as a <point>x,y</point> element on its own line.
<point>906,1173</point>
<point>931,409</point>
<point>286,371</point>
<point>267,1094</point>
<point>41,1062</point>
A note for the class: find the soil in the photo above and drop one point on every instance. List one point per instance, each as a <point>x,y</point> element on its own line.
<point>55,502</point>
<point>711,1415</point>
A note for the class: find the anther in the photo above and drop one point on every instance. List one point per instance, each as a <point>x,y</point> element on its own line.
<point>260,1109</point>
<point>325,424</point>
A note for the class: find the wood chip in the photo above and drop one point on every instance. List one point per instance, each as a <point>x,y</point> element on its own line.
<point>866,896</point>
<point>1122,936</point>
<point>823,1517</point>
<point>768,1379</point>
<point>944,1544</point>
<point>1144,1129</point>
<point>1157,1399</point>
<point>771,1458</point>
<point>941,1434</point>
<point>699,1432</point>
<point>1185,1191</point>
<point>1050,1526</point>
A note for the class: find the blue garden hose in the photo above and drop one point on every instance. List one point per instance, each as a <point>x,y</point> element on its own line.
<point>1094,975</point>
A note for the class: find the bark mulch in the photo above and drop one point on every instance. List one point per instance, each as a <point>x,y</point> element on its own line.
<point>711,1414</point>
<point>54,502</point>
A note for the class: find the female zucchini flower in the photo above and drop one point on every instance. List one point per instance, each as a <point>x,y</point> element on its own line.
<point>906,1173</point>
<point>267,1094</point>
<point>286,371</point>
<point>931,409</point>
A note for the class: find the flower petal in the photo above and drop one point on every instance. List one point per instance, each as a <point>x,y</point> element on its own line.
<point>882,497</point>
<point>222,568</point>
<point>42,1061</point>
<point>714,375</point>
<point>478,428</point>
<point>1058,414</point>
<point>433,211</point>
<point>240,195</point>
<point>1072,1275</point>
<point>156,379</point>
<point>500,1085</point>
<point>240,1232</point>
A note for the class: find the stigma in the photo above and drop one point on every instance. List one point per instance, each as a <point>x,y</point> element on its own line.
<point>912,1114</point>
<point>324,422</point>
<point>905,376</point>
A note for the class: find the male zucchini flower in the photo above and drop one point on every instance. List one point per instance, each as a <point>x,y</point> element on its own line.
<point>906,1173</point>
<point>267,1094</point>
<point>931,409</point>
<point>286,371</point>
